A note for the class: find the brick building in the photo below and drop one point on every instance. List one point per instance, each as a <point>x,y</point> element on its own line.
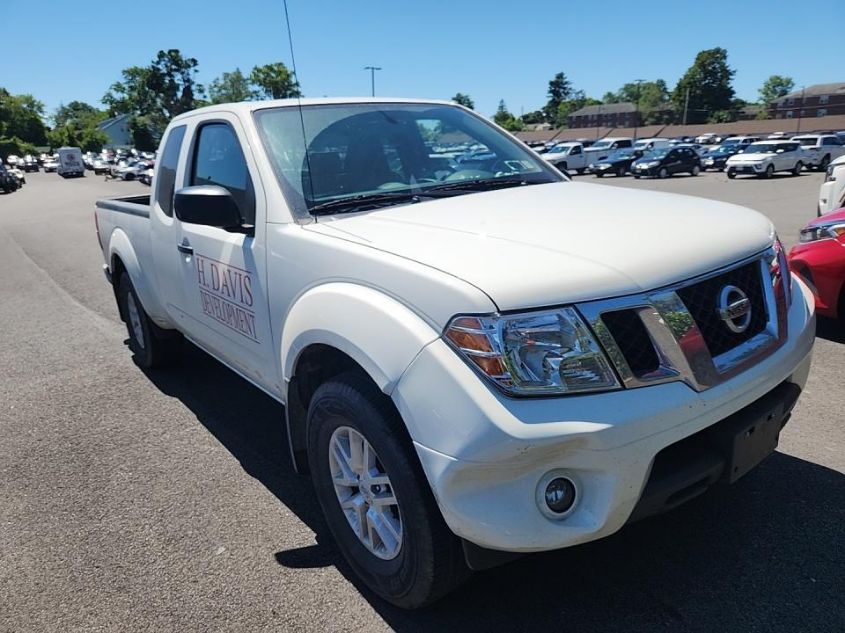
<point>813,101</point>
<point>606,115</point>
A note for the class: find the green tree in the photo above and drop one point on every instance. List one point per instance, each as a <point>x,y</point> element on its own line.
<point>154,94</point>
<point>652,97</point>
<point>560,89</point>
<point>77,113</point>
<point>708,83</point>
<point>774,88</point>
<point>231,88</point>
<point>533,118</point>
<point>506,119</point>
<point>464,100</point>
<point>21,117</point>
<point>275,81</point>
<point>76,125</point>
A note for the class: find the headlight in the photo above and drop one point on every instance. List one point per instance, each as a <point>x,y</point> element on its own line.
<point>604,166</point>
<point>828,176</point>
<point>779,270</point>
<point>831,230</point>
<point>538,353</point>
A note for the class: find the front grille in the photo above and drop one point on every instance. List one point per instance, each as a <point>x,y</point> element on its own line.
<point>629,332</point>
<point>702,301</point>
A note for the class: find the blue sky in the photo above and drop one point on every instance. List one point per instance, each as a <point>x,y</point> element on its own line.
<point>64,51</point>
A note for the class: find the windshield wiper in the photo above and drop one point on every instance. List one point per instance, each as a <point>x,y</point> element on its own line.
<point>364,201</point>
<point>485,184</point>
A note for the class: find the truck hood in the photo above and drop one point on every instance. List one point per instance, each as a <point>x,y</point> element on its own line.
<point>562,242</point>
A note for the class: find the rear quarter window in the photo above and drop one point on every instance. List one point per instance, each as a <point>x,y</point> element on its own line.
<point>165,174</point>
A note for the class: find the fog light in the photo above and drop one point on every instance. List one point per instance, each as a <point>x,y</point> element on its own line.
<point>557,494</point>
<point>560,495</point>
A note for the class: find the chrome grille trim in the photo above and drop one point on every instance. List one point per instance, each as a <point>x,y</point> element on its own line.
<point>677,340</point>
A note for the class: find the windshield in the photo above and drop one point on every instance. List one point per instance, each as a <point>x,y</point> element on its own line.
<point>730,141</point>
<point>622,154</point>
<point>807,141</point>
<point>358,151</point>
<point>761,148</point>
<point>601,145</point>
<point>655,154</point>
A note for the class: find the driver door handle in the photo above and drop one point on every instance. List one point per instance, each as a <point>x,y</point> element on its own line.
<point>185,247</point>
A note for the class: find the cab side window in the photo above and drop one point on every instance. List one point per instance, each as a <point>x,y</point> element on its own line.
<point>575,150</point>
<point>165,174</point>
<point>219,160</point>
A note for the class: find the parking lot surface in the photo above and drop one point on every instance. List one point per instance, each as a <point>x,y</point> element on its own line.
<point>166,501</point>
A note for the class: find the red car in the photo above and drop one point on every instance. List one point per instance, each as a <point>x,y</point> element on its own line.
<point>820,259</point>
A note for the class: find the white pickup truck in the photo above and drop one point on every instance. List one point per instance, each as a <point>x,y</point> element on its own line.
<point>821,149</point>
<point>475,362</point>
<point>567,156</point>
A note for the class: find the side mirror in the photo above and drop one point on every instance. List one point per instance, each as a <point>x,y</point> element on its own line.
<point>209,205</point>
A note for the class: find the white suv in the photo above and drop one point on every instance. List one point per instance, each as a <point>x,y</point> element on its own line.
<point>820,149</point>
<point>764,158</point>
<point>832,192</point>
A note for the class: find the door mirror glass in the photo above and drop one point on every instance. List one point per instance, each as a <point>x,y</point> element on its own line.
<point>210,205</point>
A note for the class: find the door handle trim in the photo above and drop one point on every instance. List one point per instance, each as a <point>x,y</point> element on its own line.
<point>185,248</point>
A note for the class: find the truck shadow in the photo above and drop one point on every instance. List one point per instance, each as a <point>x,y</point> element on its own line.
<point>767,553</point>
<point>830,329</point>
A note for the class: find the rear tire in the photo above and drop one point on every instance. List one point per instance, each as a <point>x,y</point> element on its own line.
<point>429,560</point>
<point>152,347</point>
<point>695,170</point>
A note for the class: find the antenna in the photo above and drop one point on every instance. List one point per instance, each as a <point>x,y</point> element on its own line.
<point>299,102</point>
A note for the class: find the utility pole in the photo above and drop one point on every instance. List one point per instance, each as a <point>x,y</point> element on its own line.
<point>598,121</point>
<point>637,112</point>
<point>372,70</point>
<point>800,109</point>
<point>686,106</point>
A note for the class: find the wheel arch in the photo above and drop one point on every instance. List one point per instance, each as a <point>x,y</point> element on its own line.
<point>121,250</point>
<point>340,327</point>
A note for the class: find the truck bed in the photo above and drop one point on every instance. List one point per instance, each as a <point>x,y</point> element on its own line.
<point>133,205</point>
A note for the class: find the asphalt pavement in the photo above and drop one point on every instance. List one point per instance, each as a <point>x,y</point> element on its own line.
<point>166,501</point>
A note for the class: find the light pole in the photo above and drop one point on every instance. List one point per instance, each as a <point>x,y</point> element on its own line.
<point>637,112</point>
<point>372,70</point>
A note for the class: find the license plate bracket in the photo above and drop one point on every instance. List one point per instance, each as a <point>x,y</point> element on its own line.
<point>748,437</point>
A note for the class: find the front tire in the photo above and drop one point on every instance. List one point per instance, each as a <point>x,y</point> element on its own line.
<point>361,460</point>
<point>663,173</point>
<point>798,167</point>
<point>731,174</point>
<point>770,171</point>
<point>151,346</point>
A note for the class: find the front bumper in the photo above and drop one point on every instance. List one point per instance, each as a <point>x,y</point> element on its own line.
<point>747,168</point>
<point>484,453</point>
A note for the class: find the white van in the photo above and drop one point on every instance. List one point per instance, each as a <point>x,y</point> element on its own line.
<point>70,162</point>
<point>646,144</point>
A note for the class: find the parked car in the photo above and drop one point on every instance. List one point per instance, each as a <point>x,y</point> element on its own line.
<point>101,166</point>
<point>820,149</point>
<point>8,183</point>
<point>453,406</point>
<point>146,177</point>
<point>70,162</point>
<point>646,144</point>
<point>603,148</point>
<point>51,165</point>
<point>741,141</point>
<point>567,156</point>
<point>706,139</point>
<point>666,162</point>
<point>832,191</point>
<point>696,147</point>
<point>618,163</point>
<point>131,170</point>
<point>12,160</point>
<point>18,174</point>
<point>777,136</point>
<point>765,158</point>
<point>820,259</point>
<point>716,157</point>
<point>30,163</point>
